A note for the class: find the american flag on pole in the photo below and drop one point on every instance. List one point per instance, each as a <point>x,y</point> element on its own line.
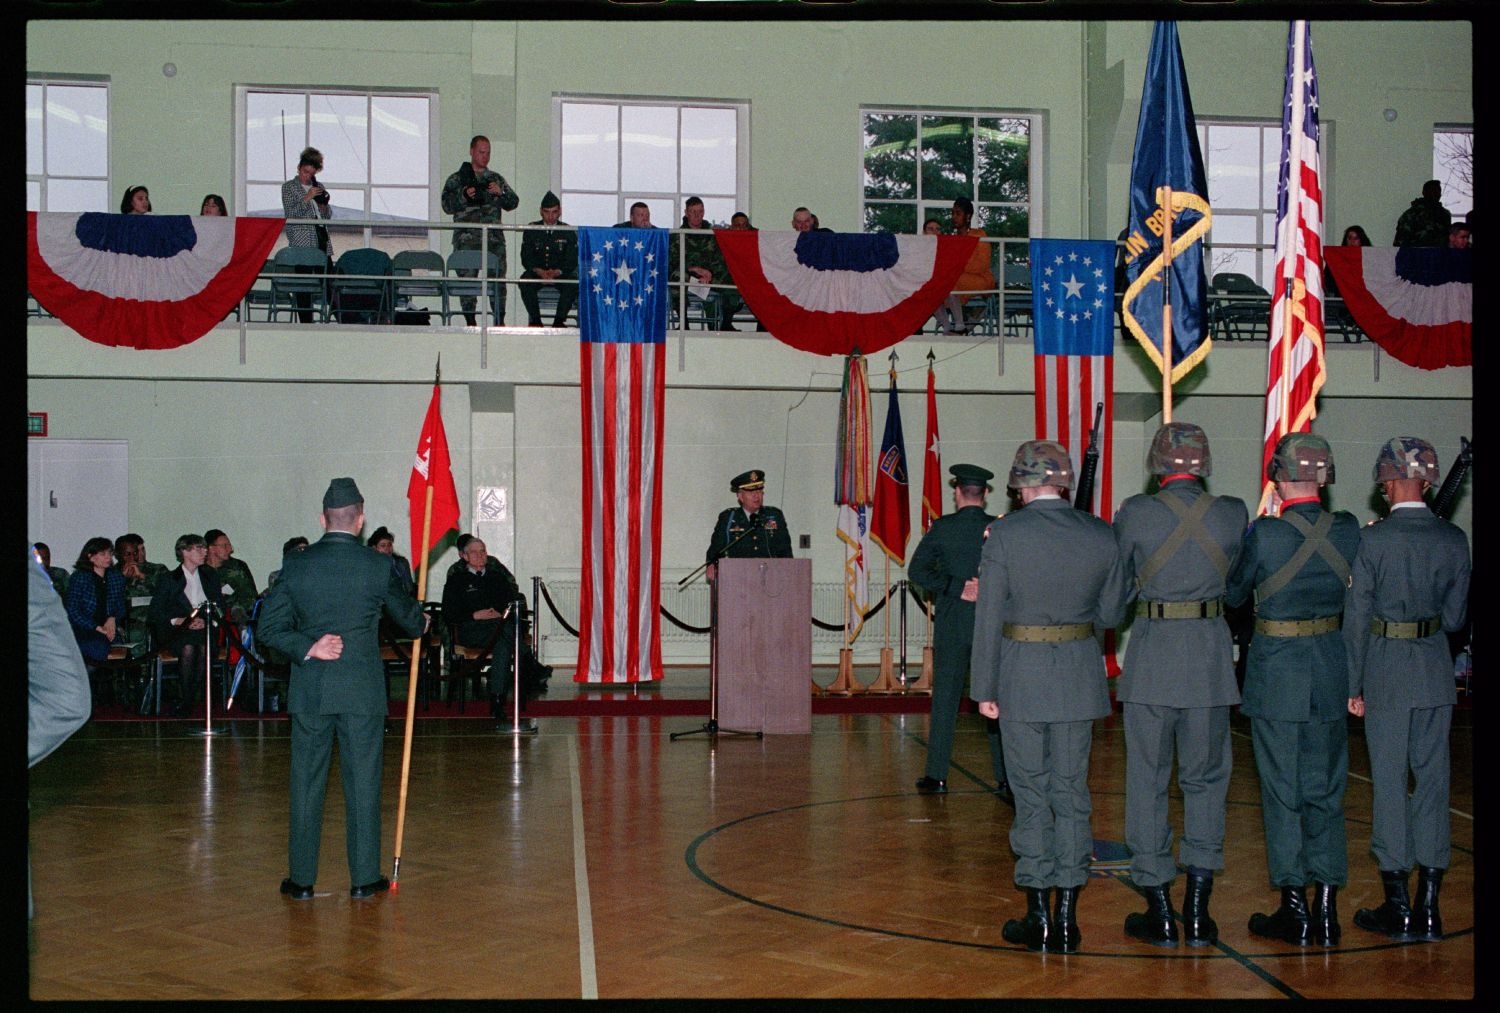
<point>1295,369</point>
<point>1072,298</point>
<point>932,458</point>
<point>622,315</point>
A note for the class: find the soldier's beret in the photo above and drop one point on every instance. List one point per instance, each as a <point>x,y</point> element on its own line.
<point>341,492</point>
<point>969,474</point>
<point>749,481</point>
<point>549,200</point>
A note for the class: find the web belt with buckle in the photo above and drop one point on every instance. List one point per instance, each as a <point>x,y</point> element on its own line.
<point>1210,609</point>
<point>1297,627</point>
<point>1064,634</point>
<point>1415,630</point>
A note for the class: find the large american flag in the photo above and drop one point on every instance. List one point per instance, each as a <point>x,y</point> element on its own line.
<point>1072,285</point>
<point>622,314</point>
<point>1295,370</point>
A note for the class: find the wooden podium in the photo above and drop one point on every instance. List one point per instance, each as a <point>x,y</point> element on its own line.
<point>763,645</point>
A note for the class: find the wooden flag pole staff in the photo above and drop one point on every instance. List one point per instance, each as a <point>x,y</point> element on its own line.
<point>411,692</point>
<point>1166,306</point>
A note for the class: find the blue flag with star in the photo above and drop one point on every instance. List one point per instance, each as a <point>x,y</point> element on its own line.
<point>1072,298</point>
<point>623,294</point>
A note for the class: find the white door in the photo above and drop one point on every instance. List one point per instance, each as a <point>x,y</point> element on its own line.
<point>76,489</point>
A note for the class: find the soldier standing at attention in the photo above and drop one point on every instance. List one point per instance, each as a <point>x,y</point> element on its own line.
<point>1297,564</point>
<point>1049,576</point>
<point>1410,585</point>
<point>324,612</point>
<point>475,194</point>
<point>946,566</point>
<point>1178,547</point>
<point>756,530</point>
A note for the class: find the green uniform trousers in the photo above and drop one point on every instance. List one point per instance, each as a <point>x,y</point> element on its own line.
<point>950,665</point>
<point>361,740</point>
<point>1303,767</point>
<point>1048,763</point>
<point>1411,830</point>
<point>1201,738</point>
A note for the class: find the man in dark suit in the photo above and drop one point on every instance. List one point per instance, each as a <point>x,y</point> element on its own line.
<point>1297,564</point>
<point>1410,585</point>
<point>946,566</point>
<point>1177,547</point>
<point>1049,577</point>
<point>324,613</point>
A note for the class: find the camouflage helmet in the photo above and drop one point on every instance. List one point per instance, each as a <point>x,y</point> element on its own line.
<point>1041,462</point>
<point>1179,447</point>
<point>1407,457</point>
<point>1301,457</point>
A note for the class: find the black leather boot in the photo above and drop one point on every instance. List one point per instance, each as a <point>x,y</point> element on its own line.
<point>1198,929</point>
<point>1030,931</point>
<point>1155,925</point>
<point>1325,915</point>
<point>1063,935</point>
<point>1393,918</point>
<point>1289,923</point>
<point>1426,920</point>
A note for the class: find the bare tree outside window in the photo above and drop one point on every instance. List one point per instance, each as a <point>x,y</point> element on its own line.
<point>1453,166</point>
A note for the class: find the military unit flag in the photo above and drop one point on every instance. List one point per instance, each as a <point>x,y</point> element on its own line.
<point>1167,156</point>
<point>432,469</point>
<point>932,458</point>
<point>622,318</point>
<point>1073,310</point>
<point>1295,369</point>
<point>890,514</point>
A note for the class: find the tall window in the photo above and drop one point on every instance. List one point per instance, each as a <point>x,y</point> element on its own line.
<point>67,146</point>
<point>917,162</point>
<point>377,158</point>
<point>1243,162</point>
<point>615,152</point>
<point>1453,166</point>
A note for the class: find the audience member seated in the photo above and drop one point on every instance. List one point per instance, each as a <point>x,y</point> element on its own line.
<point>550,254</point>
<point>482,603</point>
<point>705,264</point>
<point>977,275</point>
<point>140,576</point>
<point>137,201</point>
<point>740,222</point>
<point>96,600</point>
<point>640,217</point>
<point>383,542</point>
<point>294,544</point>
<point>58,574</point>
<point>176,613</point>
<point>239,584</point>
<point>214,206</point>
<point>802,220</point>
<point>949,316</point>
<point>1460,236</point>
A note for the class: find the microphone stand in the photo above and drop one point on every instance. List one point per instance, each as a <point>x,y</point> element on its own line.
<point>711,727</point>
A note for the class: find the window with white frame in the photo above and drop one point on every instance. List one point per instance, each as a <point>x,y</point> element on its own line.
<point>1242,161</point>
<point>614,152</point>
<point>377,158</point>
<point>67,145</point>
<point>916,162</point>
<point>1453,166</point>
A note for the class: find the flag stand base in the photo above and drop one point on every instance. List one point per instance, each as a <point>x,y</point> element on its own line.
<point>924,682</point>
<point>845,684</point>
<point>886,682</point>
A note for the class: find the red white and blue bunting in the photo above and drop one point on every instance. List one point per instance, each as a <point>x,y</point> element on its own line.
<point>1415,303</point>
<point>143,281</point>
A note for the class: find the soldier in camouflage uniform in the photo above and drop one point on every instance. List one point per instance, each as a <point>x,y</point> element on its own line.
<point>1178,548</point>
<point>1410,584</point>
<point>238,582</point>
<point>1049,576</point>
<point>946,567</point>
<point>705,264</point>
<point>475,194</point>
<point>140,576</point>
<point>1426,222</point>
<point>1297,565</point>
<point>550,254</point>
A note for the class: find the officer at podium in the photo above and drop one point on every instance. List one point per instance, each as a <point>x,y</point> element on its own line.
<point>751,529</point>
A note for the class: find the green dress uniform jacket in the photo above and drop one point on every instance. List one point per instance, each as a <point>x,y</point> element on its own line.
<point>1411,566</point>
<point>1295,696</point>
<point>336,585</point>
<point>547,249</point>
<point>945,558</point>
<point>1178,682</point>
<point>769,536</point>
<point>1047,565</point>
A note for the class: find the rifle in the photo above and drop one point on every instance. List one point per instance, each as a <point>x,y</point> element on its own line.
<point>1083,497</point>
<point>1447,496</point>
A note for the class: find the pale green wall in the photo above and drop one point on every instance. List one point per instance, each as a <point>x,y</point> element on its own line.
<point>244,437</point>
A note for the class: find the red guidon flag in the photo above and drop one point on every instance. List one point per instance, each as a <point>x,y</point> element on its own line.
<point>432,468</point>
<point>932,460</point>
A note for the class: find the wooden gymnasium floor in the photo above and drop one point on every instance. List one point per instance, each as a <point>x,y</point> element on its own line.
<point>599,859</point>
